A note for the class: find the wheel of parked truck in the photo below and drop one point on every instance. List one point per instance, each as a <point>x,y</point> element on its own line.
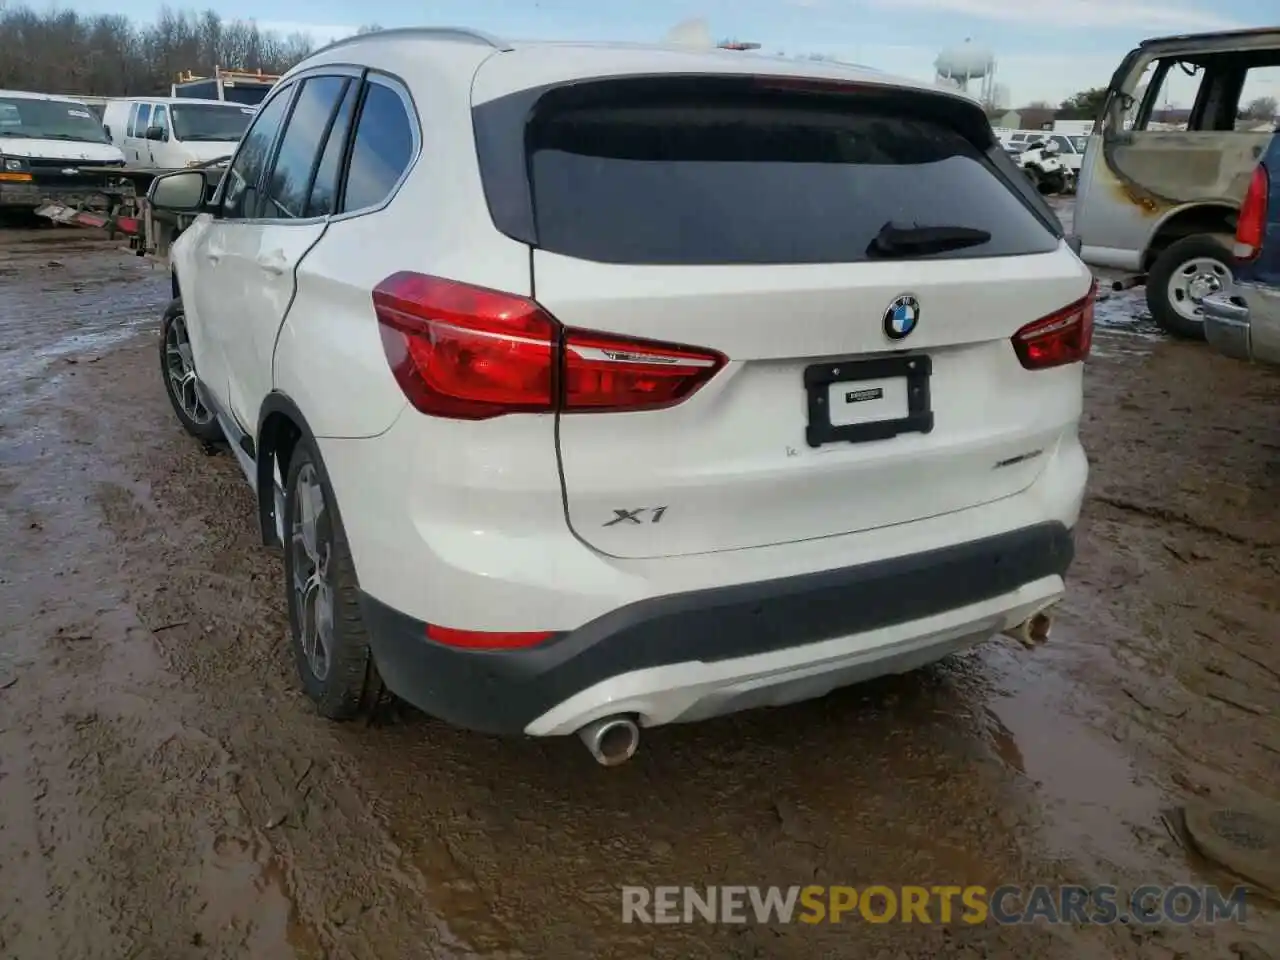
<point>330,642</point>
<point>1183,275</point>
<point>179,371</point>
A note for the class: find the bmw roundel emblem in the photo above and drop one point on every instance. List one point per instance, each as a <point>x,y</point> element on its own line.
<point>901,317</point>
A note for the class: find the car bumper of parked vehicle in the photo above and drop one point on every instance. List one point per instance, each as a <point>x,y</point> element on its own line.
<point>35,195</point>
<point>694,655</point>
<point>1244,322</point>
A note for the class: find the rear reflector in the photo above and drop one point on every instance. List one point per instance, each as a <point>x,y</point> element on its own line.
<point>485,639</point>
<point>608,373</point>
<point>1058,339</point>
<point>471,353</point>
<point>1252,223</point>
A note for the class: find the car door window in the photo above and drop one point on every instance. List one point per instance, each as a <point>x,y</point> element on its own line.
<point>1258,105</point>
<point>289,184</point>
<point>160,118</point>
<point>240,195</point>
<point>324,193</point>
<point>139,125</point>
<point>1063,143</point>
<point>382,150</point>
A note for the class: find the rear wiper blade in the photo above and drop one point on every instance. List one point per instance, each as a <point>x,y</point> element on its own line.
<point>894,241</point>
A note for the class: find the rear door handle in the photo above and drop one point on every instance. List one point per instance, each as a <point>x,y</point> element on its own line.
<point>273,263</point>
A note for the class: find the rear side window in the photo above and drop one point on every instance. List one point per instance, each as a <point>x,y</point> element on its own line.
<point>382,151</point>
<point>732,183</point>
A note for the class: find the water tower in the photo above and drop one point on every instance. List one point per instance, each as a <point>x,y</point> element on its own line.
<point>965,63</point>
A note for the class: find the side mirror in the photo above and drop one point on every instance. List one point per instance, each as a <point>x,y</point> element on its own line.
<point>107,131</point>
<point>179,192</point>
<point>156,133</point>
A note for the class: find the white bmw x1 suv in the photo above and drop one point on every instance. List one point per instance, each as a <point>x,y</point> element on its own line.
<point>595,387</point>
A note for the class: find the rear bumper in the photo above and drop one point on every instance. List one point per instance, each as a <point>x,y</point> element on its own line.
<point>1244,322</point>
<point>693,655</point>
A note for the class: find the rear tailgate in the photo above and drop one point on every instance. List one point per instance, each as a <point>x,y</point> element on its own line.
<point>745,221</point>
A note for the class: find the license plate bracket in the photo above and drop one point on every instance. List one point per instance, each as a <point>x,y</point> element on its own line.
<point>914,370</point>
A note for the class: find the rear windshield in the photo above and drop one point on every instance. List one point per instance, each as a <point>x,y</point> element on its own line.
<point>210,122</point>
<point>727,183</point>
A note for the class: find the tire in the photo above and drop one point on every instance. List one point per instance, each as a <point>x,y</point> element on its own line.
<point>177,368</point>
<point>1034,176</point>
<point>1193,263</point>
<point>344,682</point>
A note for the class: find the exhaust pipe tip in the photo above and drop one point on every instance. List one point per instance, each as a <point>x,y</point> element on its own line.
<point>1040,626</point>
<point>1034,630</point>
<point>612,741</point>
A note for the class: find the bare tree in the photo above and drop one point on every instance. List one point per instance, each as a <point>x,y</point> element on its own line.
<point>1260,108</point>
<point>61,51</point>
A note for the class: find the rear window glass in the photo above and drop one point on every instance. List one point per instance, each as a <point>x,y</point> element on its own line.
<point>721,184</point>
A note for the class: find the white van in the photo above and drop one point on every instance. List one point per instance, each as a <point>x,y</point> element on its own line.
<point>175,131</point>
<point>47,146</point>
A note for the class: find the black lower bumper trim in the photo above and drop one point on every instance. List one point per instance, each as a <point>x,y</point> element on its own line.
<point>503,691</point>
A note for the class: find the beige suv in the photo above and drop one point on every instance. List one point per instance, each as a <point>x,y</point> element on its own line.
<point>1167,168</point>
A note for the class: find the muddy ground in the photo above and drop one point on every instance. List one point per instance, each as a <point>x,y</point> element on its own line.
<point>166,792</point>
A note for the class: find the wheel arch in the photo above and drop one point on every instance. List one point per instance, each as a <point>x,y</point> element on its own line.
<point>1189,219</point>
<point>280,426</point>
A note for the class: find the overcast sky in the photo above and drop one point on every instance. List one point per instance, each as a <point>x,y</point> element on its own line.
<point>1044,49</point>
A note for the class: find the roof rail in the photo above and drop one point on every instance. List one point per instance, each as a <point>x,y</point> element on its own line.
<point>459,34</point>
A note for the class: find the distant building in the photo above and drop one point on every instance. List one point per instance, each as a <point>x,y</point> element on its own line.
<point>1174,116</point>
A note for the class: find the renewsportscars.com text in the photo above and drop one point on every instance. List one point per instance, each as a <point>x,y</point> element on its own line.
<point>1065,904</point>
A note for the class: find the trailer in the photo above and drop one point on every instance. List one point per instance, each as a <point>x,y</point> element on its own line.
<point>149,232</point>
<point>246,87</point>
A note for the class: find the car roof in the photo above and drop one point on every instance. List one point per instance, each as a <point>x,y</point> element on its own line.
<point>177,100</point>
<point>534,63</point>
<point>1225,36</point>
<point>29,95</point>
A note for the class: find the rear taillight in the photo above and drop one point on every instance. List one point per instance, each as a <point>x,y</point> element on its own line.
<point>1253,216</point>
<point>1060,338</point>
<point>471,353</point>
<point>487,639</point>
